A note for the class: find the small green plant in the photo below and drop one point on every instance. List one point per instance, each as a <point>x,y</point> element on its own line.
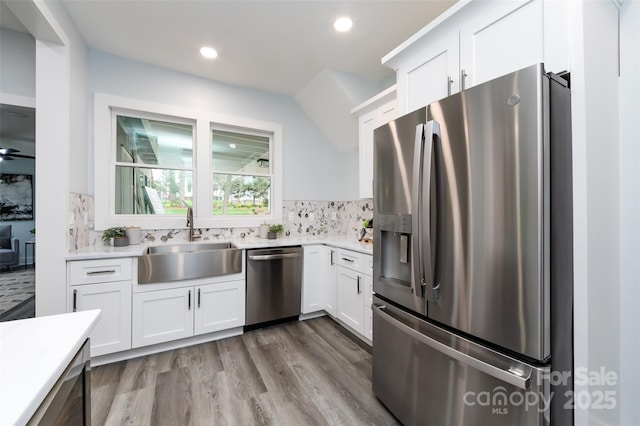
<point>115,232</point>
<point>276,229</point>
<point>33,231</point>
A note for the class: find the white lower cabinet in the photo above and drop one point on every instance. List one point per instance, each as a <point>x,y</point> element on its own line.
<point>330,295</point>
<point>219,306</point>
<point>350,285</point>
<point>313,278</point>
<point>103,284</point>
<point>164,315</point>
<point>368,313</point>
<point>112,333</point>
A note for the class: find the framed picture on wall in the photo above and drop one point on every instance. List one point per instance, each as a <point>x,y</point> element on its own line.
<point>16,197</point>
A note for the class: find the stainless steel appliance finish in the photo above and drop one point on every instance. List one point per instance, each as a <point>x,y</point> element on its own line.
<point>188,261</point>
<point>69,401</point>
<point>449,380</point>
<point>464,187</point>
<point>274,284</point>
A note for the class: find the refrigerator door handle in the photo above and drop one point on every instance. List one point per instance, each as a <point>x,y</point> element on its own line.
<point>417,279</point>
<point>432,132</point>
<point>518,380</point>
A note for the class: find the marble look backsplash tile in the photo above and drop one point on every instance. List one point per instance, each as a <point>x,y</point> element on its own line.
<point>80,206</point>
<point>349,218</point>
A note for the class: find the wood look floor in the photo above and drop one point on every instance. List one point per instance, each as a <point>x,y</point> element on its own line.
<point>301,373</point>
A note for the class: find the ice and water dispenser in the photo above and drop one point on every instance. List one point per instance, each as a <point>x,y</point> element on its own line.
<point>395,248</point>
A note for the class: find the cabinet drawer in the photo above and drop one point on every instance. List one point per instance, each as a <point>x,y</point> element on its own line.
<point>100,271</point>
<point>349,259</point>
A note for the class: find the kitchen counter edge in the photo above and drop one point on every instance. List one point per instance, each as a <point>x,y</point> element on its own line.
<point>108,252</point>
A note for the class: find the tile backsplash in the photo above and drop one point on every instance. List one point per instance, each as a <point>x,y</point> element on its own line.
<point>310,218</point>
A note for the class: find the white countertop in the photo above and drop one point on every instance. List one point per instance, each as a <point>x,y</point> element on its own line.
<point>104,251</point>
<point>33,355</point>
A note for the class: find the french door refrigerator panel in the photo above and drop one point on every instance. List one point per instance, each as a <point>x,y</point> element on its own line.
<point>432,377</point>
<point>491,278</point>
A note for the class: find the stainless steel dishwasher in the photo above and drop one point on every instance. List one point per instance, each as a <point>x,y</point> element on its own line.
<point>274,284</point>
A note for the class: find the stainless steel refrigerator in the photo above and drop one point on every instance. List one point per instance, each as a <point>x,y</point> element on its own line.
<point>473,256</point>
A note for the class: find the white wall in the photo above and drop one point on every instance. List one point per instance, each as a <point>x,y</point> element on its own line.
<point>17,63</point>
<point>313,169</point>
<point>629,213</point>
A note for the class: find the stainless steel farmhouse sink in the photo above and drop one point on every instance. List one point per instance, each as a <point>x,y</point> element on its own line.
<point>188,261</point>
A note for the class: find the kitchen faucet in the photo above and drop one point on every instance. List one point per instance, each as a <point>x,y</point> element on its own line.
<point>190,225</point>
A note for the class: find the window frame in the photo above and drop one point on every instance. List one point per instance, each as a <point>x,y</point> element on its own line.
<point>104,159</point>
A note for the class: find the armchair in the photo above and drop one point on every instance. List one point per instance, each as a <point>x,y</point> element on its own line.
<point>9,248</point>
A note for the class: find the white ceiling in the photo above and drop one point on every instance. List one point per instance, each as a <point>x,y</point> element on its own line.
<point>276,46</point>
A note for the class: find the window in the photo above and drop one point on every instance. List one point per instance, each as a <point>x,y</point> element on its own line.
<point>154,166</point>
<point>241,173</point>
<point>153,161</point>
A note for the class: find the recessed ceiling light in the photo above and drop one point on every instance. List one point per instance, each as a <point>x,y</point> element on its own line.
<point>232,145</point>
<point>208,52</point>
<point>343,24</point>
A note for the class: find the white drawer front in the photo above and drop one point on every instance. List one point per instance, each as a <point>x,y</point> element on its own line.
<point>349,259</point>
<point>100,271</point>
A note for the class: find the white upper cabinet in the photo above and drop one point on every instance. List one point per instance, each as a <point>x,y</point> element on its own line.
<point>372,113</point>
<point>477,41</point>
<point>504,39</point>
<point>432,74</point>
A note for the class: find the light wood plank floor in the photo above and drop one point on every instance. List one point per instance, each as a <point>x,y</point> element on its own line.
<point>301,373</point>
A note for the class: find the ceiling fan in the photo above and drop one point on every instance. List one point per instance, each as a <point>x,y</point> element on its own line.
<point>9,153</point>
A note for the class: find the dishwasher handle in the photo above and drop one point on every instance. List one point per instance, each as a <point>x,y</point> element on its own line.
<point>274,256</point>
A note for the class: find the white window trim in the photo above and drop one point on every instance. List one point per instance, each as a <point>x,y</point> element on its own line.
<point>104,170</point>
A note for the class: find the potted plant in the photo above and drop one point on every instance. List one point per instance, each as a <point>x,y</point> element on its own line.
<point>119,235</point>
<point>275,231</point>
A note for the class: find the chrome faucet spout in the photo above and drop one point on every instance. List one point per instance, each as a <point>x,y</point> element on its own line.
<point>190,224</point>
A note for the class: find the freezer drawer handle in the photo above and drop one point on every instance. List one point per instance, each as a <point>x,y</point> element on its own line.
<point>274,256</point>
<point>500,374</point>
<point>106,271</point>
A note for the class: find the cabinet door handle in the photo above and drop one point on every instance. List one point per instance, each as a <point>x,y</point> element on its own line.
<point>449,83</point>
<point>333,262</point>
<point>198,298</point>
<point>358,283</point>
<point>189,302</point>
<point>75,300</point>
<point>463,76</point>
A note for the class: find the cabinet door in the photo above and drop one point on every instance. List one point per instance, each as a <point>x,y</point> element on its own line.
<point>161,316</point>
<point>330,300</point>
<point>350,293</point>
<point>506,38</point>
<point>431,75</point>
<point>112,333</point>
<point>219,306</point>
<point>313,278</point>
<point>368,313</point>
<point>367,123</point>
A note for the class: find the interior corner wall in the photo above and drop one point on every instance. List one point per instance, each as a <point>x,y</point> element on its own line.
<point>309,159</point>
<point>17,63</point>
<point>629,212</point>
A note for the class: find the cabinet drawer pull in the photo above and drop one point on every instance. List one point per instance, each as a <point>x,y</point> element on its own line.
<point>104,272</point>
<point>75,300</point>
<point>348,260</point>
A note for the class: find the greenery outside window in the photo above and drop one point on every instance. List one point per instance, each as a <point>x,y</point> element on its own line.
<point>154,166</point>
<point>241,172</point>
